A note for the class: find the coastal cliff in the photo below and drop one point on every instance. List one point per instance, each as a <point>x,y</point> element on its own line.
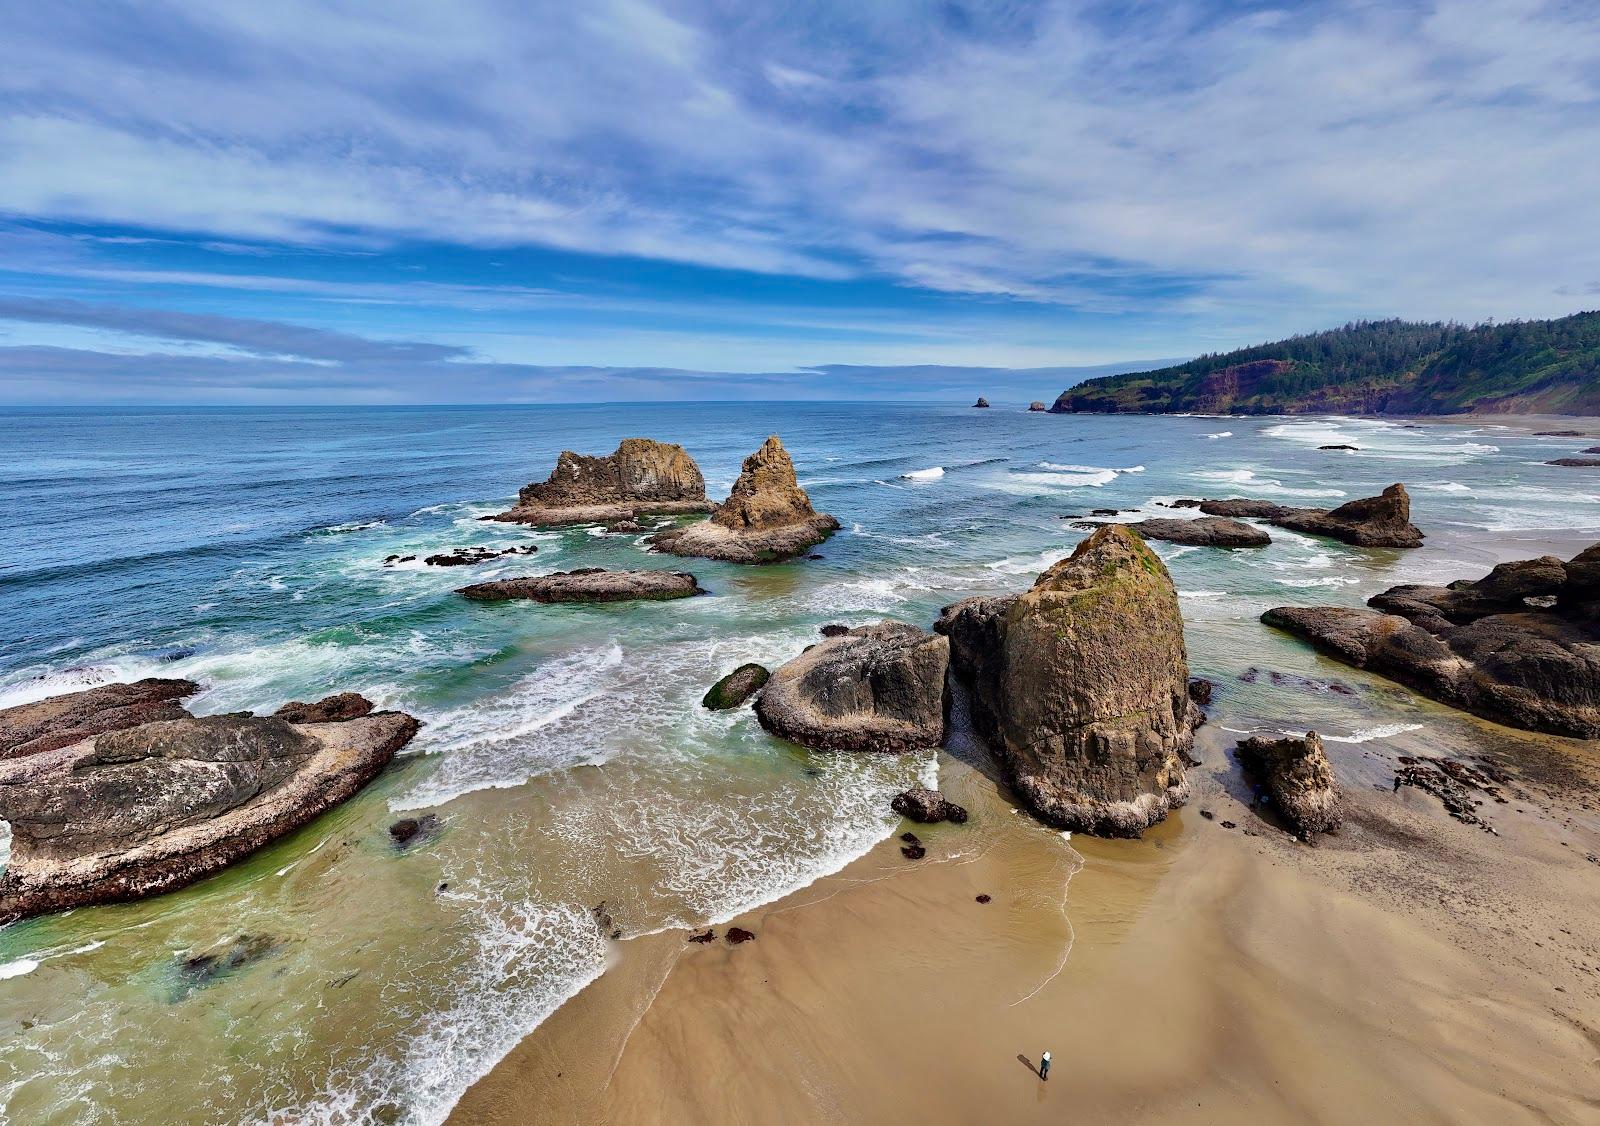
<point>1374,367</point>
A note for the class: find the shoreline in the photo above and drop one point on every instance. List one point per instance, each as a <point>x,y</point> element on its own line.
<point>1213,975</point>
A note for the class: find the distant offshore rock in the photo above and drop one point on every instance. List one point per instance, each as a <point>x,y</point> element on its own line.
<point>641,477</point>
<point>1520,646</point>
<point>1037,405</point>
<point>150,808</point>
<point>767,517</point>
<point>1576,462</point>
<point>1082,686</point>
<point>982,403</point>
<point>1380,521</point>
<point>1297,777</point>
<point>588,584</point>
<point>1207,531</point>
<point>61,721</point>
<point>876,688</point>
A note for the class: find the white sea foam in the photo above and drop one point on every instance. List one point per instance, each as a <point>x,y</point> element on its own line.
<point>932,474</point>
<point>1220,434</point>
<point>1367,734</point>
<point>18,968</point>
<point>1248,479</point>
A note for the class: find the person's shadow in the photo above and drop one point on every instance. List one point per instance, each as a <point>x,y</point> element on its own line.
<point>1027,1063</point>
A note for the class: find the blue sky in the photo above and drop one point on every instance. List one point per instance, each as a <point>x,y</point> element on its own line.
<point>652,199</point>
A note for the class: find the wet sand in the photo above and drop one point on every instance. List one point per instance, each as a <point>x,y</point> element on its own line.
<point>1409,969</point>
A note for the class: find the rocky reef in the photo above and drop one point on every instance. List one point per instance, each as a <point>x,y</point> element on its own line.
<point>927,807</point>
<point>1207,531</point>
<point>875,688</point>
<point>766,518</point>
<point>641,477</point>
<point>1297,777</point>
<point>61,721</point>
<point>1520,646</point>
<point>1380,521</point>
<point>588,584</point>
<point>155,806</point>
<point>1082,686</point>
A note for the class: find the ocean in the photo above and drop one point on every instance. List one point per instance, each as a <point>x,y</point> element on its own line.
<point>564,748</point>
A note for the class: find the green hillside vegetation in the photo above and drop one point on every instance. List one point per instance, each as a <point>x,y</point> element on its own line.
<point>1375,367</point>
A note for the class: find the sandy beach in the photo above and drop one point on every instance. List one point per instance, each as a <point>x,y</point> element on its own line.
<point>1409,969</point>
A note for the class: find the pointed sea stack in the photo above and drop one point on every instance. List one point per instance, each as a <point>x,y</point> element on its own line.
<point>1082,685</point>
<point>766,518</point>
<point>642,477</point>
<point>1380,521</point>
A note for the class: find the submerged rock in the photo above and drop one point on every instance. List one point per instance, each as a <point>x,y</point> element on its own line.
<point>61,721</point>
<point>875,688</point>
<point>329,709</point>
<point>766,518</point>
<point>927,807</point>
<point>1340,446</point>
<point>1298,777</point>
<point>1520,646</point>
<point>136,812</point>
<point>624,527</point>
<point>735,688</point>
<point>468,556</point>
<point>1380,521</point>
<point>588,584</point>
<point>410,831</point>
<point>205,966</point>
<point>1082,685</point>
<point>1207,531</point>
<point>640,476</point>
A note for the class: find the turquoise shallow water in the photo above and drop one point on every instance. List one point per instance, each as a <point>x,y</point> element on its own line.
<point>564,748</point>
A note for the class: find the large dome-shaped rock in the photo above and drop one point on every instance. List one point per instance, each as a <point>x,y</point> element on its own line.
<point>1082,684</point>
<point>1520,646</point>
<point>61,721</point>
<point>875,688</point>
<point>144,810</point>
<point>1380,521</point>
<point>1297,777</point>
<point>766,518</point>
<point>641,477</point>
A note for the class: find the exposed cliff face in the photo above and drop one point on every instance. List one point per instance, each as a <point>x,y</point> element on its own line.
<point>1082,685</point>
<point>641,477</point>
<point>1520,646</point>
<point>147,809</point>
<point>766,518</point>
<point>874,688</point>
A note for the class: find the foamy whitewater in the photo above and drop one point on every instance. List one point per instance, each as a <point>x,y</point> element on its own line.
<point>564,749</point>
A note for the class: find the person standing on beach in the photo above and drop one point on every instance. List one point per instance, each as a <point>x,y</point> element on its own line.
<point>1044,1066</point>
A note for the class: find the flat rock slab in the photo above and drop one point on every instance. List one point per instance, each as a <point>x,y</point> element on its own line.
<point>593,584</point>
<point>1207,531</point>
<point>137,812</point>
<point>61,721</point>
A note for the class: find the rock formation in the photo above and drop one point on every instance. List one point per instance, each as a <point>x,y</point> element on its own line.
<point>146,809</point>
<point>329,709</point>
<point>588,584</point>
<point>982,402</point>
<point>1207,531</point>
<point>1520,646</point>
<point>1297,777</point>
<point>641,477</point>
<point>766,518</point>
<point>875,688</point>
<point>927,806</point>
<point>64,720</point>
<point>1082,685</point>
<point>1036,405</point>
<point>1380,521</point>
<point>735,688</point>
<point>468,556</point>
<point>1576,462</point>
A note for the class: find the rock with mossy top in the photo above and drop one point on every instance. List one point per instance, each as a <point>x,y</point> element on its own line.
<point>1082,686</point>
<point>735,688</point>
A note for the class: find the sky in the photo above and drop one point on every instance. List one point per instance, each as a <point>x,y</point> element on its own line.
<point>623,200</point>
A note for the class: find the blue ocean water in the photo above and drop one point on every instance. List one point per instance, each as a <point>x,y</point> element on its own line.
<point>564,747</point>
